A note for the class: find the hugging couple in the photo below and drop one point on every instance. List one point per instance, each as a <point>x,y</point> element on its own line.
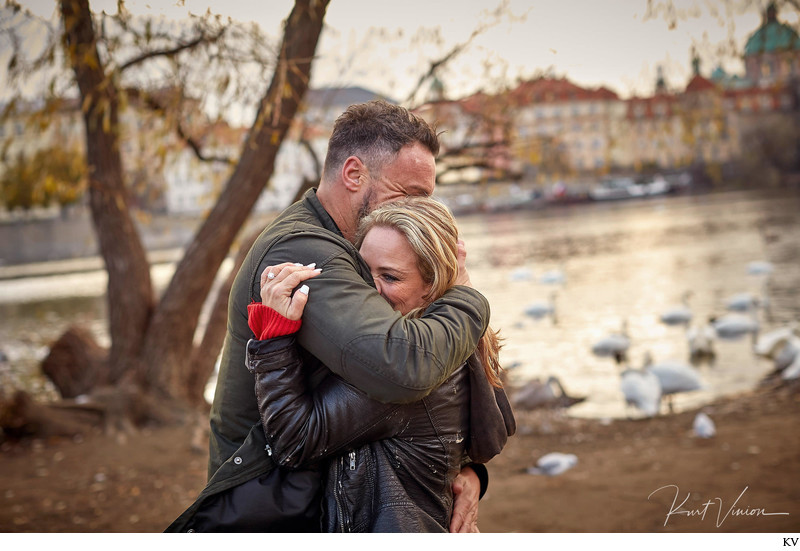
<point>360,386</point>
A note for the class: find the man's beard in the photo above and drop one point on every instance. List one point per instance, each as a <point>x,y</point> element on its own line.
<point>366,207</point>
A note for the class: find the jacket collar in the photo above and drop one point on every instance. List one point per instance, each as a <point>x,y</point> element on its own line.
<point>312,203</point>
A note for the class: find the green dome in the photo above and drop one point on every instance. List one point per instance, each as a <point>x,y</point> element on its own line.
<point>772,36</point>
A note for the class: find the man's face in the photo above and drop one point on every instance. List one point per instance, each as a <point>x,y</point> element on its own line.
<point>412,173</point>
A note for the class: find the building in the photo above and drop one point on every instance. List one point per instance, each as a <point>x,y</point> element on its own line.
<point>184,174</point>
<point>772,53</point>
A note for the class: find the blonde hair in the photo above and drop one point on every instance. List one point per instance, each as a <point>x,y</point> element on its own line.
<point>432,233</point>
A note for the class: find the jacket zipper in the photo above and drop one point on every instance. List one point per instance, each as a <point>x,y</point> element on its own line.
<point>353,460</point>
<point>337,494</point>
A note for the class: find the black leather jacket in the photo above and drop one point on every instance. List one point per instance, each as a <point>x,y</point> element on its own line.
<point>392,487</point>
<point>390,467</point>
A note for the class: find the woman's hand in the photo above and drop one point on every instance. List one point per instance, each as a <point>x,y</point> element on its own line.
<point>277,283</point>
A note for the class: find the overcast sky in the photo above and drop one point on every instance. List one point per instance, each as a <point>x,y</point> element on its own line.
<point>592,42</point>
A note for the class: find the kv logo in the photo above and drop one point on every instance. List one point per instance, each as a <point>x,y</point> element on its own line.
<point>790,542</point>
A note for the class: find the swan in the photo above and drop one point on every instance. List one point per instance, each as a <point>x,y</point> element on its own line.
<point>679,315</point>
<point>760,267</point>
<point>613,345</point>
<point>701,342</point>
<point>553,277</point>
<point>549,394</point>
<point>792,371</point>
<point>747,302</point>
<point>554,463</point>
<point>785,356</point>
<point>539,310</point>
<point>743,302</point>
<point>735,326</point>
<point>642,390</point>
<point>766,342</point>
<point>703,426</point>
<point>674,378</point>
<point>521,274</point>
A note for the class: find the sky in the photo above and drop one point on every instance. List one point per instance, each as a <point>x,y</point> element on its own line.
<point>592,42</point>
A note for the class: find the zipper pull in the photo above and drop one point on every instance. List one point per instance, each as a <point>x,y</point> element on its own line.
<point>353,460</point>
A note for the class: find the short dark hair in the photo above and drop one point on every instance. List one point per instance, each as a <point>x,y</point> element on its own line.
<point>375,132</point>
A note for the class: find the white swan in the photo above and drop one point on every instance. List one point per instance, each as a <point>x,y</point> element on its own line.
<point>613,345</point>
<point>743,302</point>
<point>735,326</point>
<point>521,274</point>
<point>747,301</point>
<point>641,390</point>
<point>792,371</point>
<point>674,378</point>
<point>539,310</point>
<point>760,267</point>
<point>766,342</point>
<point>703,426</point>
<point>554,463</point>
<point>678,315</point>
<point>701,342</point>
<point>553,277</point>
<point>784,353</point>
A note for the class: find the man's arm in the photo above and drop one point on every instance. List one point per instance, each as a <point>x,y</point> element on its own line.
<point>351,329</point>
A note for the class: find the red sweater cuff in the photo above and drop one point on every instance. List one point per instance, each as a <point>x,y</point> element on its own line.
<point>266,323</point>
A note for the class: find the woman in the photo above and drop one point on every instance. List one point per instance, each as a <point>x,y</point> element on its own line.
<point>388,467</point>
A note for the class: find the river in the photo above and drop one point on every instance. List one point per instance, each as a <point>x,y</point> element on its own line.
<point>622,262</point>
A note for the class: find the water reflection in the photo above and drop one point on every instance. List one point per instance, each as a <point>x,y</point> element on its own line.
<point>622,262</point>
<point>627,263</point>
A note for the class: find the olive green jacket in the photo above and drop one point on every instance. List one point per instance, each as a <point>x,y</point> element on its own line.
<point>347,327</point>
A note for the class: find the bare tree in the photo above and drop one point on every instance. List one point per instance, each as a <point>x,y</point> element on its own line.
<point>152,338</point>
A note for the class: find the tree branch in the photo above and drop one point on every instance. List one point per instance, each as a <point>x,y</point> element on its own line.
<point>172,52</point>
<point>152,103</point>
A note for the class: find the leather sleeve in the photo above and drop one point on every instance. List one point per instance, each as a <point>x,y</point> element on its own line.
<point>303,427</point>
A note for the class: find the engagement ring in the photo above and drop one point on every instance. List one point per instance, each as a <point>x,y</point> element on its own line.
<point>270,276</point>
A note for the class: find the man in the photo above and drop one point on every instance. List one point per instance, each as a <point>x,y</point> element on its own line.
<point>378,152</point>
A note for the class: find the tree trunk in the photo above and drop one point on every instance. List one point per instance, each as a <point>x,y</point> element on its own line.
<point>168,343</point>
<point>152,346</point>
<point>130,291</point>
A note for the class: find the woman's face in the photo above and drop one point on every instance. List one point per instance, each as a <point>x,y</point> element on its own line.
<point>393,265</point>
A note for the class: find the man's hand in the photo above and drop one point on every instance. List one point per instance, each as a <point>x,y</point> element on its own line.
<point>462,278</point>
<point>466,494</point>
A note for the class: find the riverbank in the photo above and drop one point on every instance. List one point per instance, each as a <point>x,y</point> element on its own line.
<point>141,483</point>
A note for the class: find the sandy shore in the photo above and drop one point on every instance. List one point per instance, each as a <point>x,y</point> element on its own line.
<point>141,483</point>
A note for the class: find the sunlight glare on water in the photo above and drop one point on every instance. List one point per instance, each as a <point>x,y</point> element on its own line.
<point>626,263</point>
